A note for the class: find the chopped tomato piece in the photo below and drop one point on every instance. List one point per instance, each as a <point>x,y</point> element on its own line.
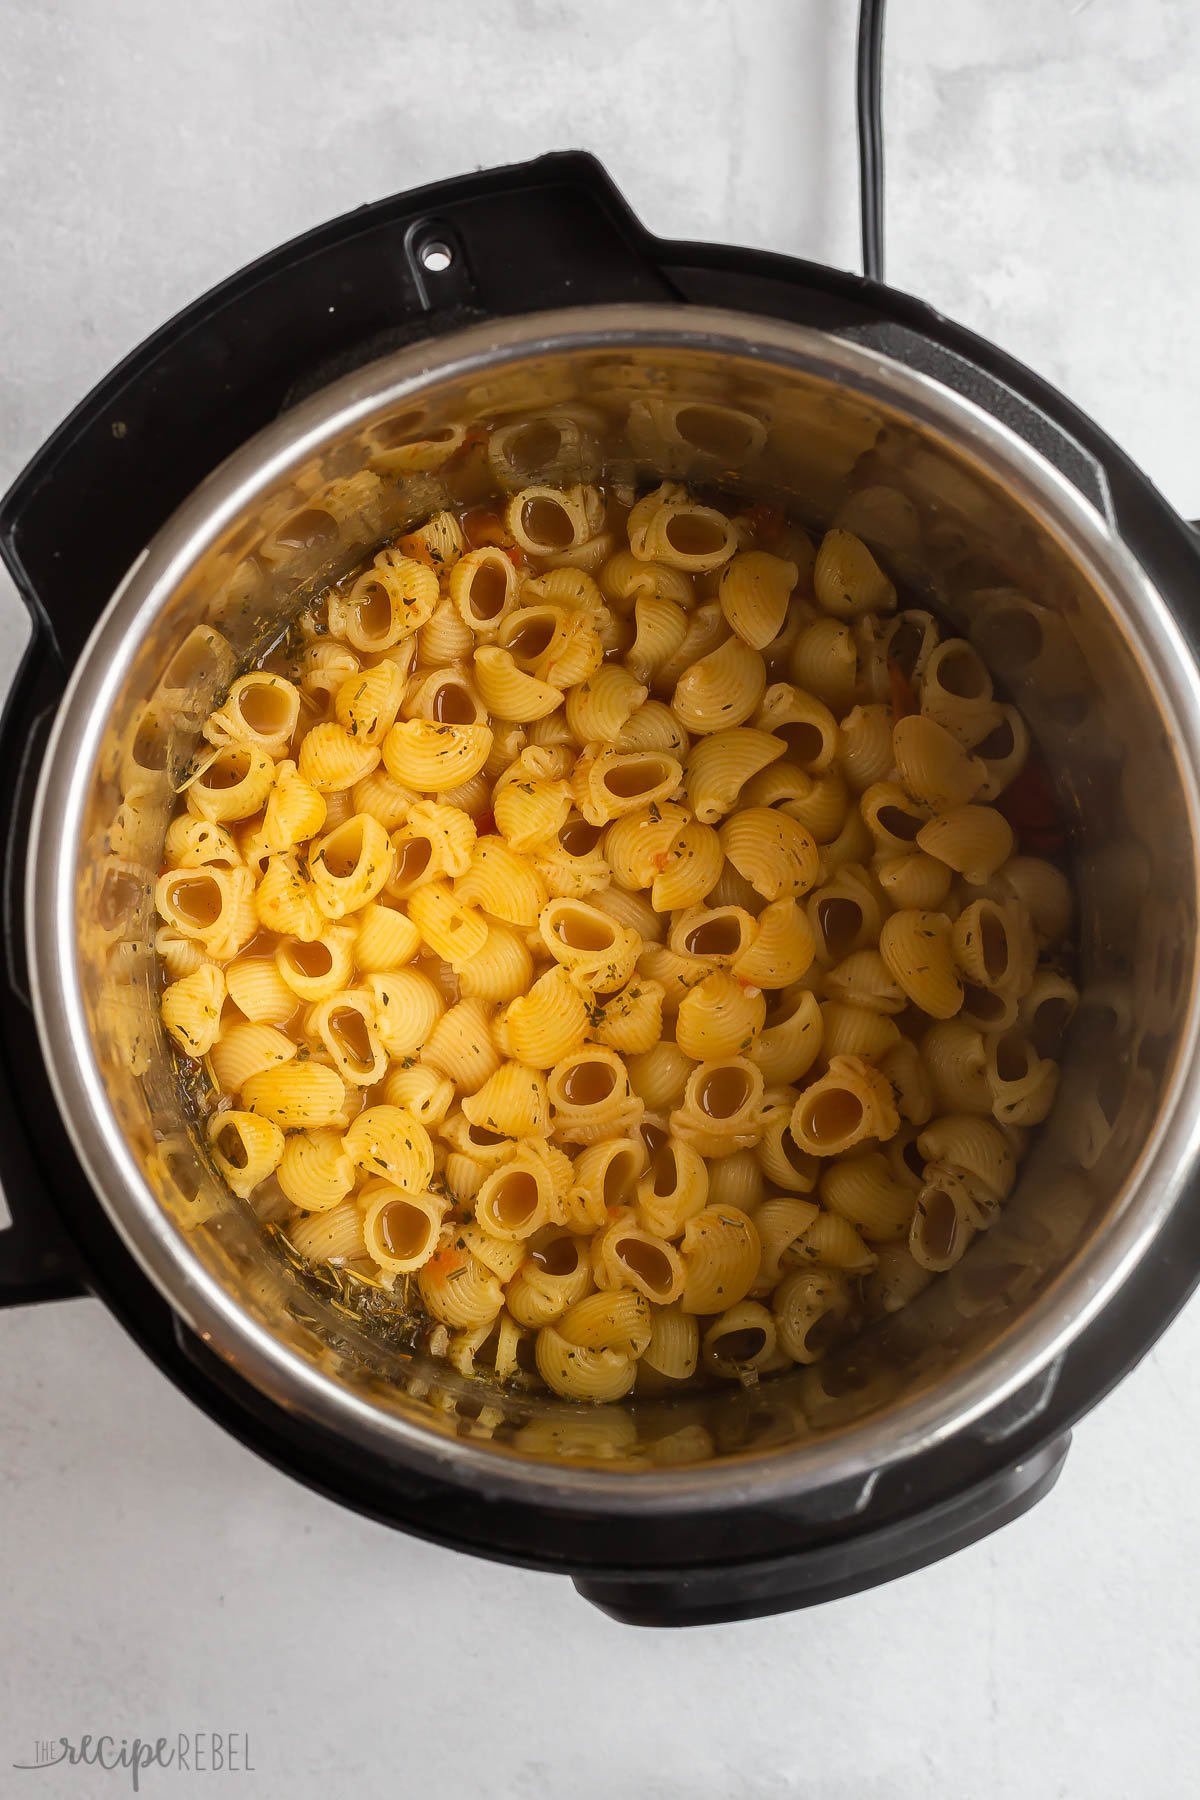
<point>412,546</point>
<point>483,525</point>
<point>904,700</point>
<point>1031,807</point>
<point>766,524</point>
<point>1028,802</point>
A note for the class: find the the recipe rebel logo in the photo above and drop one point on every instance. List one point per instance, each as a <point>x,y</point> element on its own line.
<point>186,1753</point>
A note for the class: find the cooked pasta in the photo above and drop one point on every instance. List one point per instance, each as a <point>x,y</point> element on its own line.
<point>606,935</point>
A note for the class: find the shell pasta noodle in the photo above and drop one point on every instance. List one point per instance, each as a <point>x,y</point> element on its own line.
<point>612,941</point>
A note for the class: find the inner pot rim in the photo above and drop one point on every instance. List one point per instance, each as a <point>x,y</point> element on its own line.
<point>856,1451</point>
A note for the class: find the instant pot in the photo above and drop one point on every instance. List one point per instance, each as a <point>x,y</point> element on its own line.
<point>515,326</point>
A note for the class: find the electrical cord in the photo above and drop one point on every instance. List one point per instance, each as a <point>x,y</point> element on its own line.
<point>870,135</point>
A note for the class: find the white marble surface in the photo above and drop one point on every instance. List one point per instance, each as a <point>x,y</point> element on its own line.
<point>1043,163</point>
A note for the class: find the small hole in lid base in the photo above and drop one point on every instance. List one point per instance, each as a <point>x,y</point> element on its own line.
<point>436,256</point>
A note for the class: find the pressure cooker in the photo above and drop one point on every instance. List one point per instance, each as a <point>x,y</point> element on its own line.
<point>271,436</point>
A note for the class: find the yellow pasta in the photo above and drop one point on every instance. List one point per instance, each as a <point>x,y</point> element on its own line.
<point>400,1230</point>
<point>706,631</point>
<point>972,840</point>
<point>851,1030</point>
<point>628,577</point>
<point>461,1045</point>
<point>502,882</point>
<point>847,580</point>
<point>994,945</point>
<point>595,949</point>
<point>596,912</point>
<point>501,970</point>
<point>674,1346</point>
<point>805,725</point>
<point>230,783</point>
<point>914,880</point>
<point>215,906</point>
<point>418,753</point>
<point>689,870</point>
<point>721,764</point>
<point>862,1190</point>
<point>315,1170</point>
<point>383,798</point>
<point>350,866</point>
<point>780,947</point>
<point>659,1075</point>
<point>849,1103</point>
<point>458,1289</point>
<point>389,1143</point>
<point>721,1252</point>
<point>245,1050</point>
<point>630,1021</point>
<point>825,663</point>
<point>191,1009</point>
<point>590,1096</point>
<point>917,948</point>
<point>389,603</point>
<point>423,1092</point>
<point>865,753</point>
<point>741,1340</point>
<point>577,1373</point>
<point>720,691</point>
<point>405,1006</point>
<point>298,1096</point>
<point>331,761</point>
<point>626,1255</point>
<point>258,990</point>
<point>754,592</point>
<point>483,586</point>
<point>674,1188</point>
<point>1046,894</point>
<point>721,1017</point>
<point>516,1200</point>
<point>946,1217</point>
<point>809,1306</point>
<point>607,783</point>
<point>1022,1083</point>
<point>791,1038</point>
<point>833,1240</point>
<point>822,808</point>
<point>660,626</point>
<point>976,1145</point>
<point>598,708</point>
<point>315,968</point>
<point>335,1236</point>
<point>721,1110</point>
<point>773,852</point>
<point>681,534</point>
<point>512,1102</point>
<point>864,979</point>
<point>452,929</point>
<point>933,765</point>
<point>192,842</point>
<point>781,1225</point>
<point>385,938</point>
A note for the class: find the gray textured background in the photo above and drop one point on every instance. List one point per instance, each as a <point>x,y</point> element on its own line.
<point>1043,159</point>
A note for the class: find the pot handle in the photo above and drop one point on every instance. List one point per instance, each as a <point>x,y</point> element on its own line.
<point>829,1571</point>
<point>550,233</point>
<point>37,1258</point>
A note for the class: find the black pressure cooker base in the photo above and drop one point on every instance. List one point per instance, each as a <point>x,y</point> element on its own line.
<point>542,235</point>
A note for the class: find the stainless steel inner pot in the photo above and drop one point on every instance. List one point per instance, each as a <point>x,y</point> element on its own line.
<point>764,410</point>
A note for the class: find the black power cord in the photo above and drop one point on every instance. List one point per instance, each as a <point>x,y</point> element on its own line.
<point>870,135</point>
